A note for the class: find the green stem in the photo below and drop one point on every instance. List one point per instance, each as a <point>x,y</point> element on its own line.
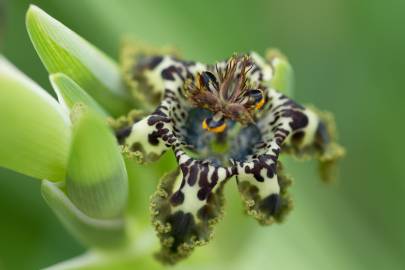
<point>138,252</point>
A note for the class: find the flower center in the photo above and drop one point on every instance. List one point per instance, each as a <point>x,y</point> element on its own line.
<point>235,142</point>
<point>228,92</point>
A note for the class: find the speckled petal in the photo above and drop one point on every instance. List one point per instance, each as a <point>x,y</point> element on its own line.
<point>154,134</point>
<point>320,145</point>
<point>285,126</point>
<point>186,206</point>
<point>267,201</point>
<point>138,61</point>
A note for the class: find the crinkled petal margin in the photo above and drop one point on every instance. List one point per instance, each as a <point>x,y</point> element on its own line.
<point>179,231</point>
<point>273,207</point>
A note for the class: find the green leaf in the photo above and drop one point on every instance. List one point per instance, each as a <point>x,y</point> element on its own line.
<point>101,233</point>
<point>69,93</point>
<point>62,50</point>
<point>97,180</point>
<point>35,131</point>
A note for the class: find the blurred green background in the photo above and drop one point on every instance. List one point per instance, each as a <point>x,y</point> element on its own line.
<point>349,58</point>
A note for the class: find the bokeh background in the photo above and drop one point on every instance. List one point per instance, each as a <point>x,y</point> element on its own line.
<point>349,58</point>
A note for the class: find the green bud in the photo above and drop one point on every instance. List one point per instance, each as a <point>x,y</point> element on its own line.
<point>35,131</point>
<point>62,50</point>
<point>96,181</point>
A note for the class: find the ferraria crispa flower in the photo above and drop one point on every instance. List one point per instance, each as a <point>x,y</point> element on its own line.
<point>221,121</point>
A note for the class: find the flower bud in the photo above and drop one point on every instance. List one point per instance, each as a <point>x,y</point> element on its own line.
<point>96,181</point>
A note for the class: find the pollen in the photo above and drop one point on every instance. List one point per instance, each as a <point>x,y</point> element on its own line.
<point>260,104</point>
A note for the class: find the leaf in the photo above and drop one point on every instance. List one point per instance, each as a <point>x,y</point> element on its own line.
<point>69,93</point>
<point>97,180</point>
<point>101,233</point>
<point>35,132</point>
<point>62,50</point>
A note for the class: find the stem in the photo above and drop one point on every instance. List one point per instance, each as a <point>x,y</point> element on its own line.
<point>142,244</point>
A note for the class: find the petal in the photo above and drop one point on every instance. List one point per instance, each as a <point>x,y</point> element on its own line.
<point>319,142</point>
<point>274,71</point>
<point>186,206</point>
<point>266,201</point>
<point>262,71</point>
<point>285,126</point>
<point>138,61</point>
<point>154,134</point>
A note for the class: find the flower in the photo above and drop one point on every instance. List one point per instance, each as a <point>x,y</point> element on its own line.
<point>229,120</point>
<point>221,121</point>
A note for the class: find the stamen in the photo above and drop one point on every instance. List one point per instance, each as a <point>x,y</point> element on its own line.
<point>226,90</point>
<point>254,98</point>
<point>215,123</point>
<point>207,79</point>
